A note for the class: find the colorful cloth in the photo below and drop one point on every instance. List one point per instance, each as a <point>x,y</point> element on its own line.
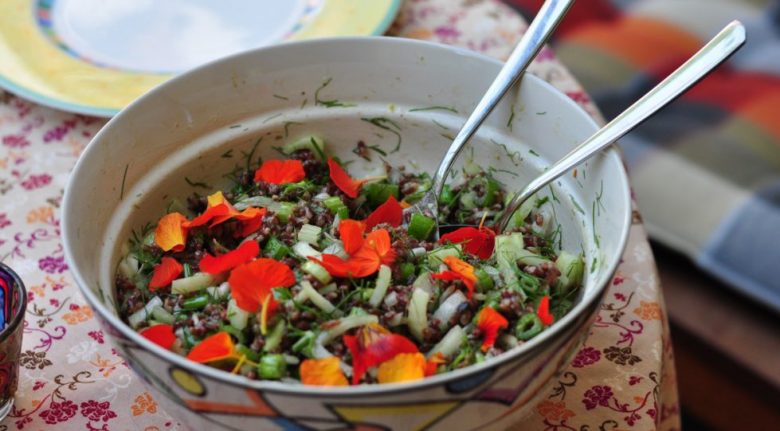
<point>623,377</point>
<point>706,170</point>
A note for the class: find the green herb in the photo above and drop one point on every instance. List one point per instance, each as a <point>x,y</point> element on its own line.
<point>542,113</point>
<point>599,195</point>
<point>593,264</point>
<point>435,108</point>
<point>541,201</point>
<point>277,115</point>
<point>440,125</point>
<point>389,125</point>
<point>512,155</point>
<point>303,103</point>
<point>197,183</point>
<point>280,97</point>
<point>333,103</point>
<point>227,154</point>
<point>533,152</point>
<point>250,155</point>
<point>235,126</point>
<point>287,125</point>
<point>552,193</point>
<point>511,118</point>
<point>122,189</point>
<point>576,205</point>
<point>593,221</point>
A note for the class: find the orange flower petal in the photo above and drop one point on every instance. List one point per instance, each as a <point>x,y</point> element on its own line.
<point>214,214</point>
<point>373,345</point>
<point>489,322</point>
<point>479,242</point>
<point>214,348</point>
<point>544,311</point>
<point>342,180</point>
<point>351,233</point>
<point>402,368</point>
<point>432,365</point>
<point>245,252</point>
<point>463,270</point>
<point>164,273</point>
<point>251,219</point>
<point>160,334</point>
<point>280,172</point>
<point>379,241</point>
<point>171,233</point>
<point>252,282</point>
<point>389,212</point>
<point>323,372</point>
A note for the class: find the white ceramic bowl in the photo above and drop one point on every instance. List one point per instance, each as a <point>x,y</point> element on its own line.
<point>187,127</point>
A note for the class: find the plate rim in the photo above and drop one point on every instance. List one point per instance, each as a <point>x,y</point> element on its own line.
<point>20,90</point>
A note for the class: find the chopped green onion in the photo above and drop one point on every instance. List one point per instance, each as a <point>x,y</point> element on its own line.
<point>237,316</point>
<point>197,302</point>
<point>407,270</point>
<point>284,211</point>
<point>310,234</point>
<point>317,271</point>
<point>162,315</point>
<point>484,281</point>
<point>437,255</point>
<point>305,251</point>
<point>382,283</point>
<point>276,249</point>
<point>305,343</point>
<point>378,193</point>
<point>193,283</point>
<point>272,367</point>
<point>447,196</point>
<point>313,143</point>
<point>421,227</point>
<point>274,338</point>
<point>418,313</point>
<point>308,292</point>
<point>528,327</point>
<point>246,351</point>
<point>187,270</point>
<point>450,343</point>
<point>337,207</point>
<point>141,315</point>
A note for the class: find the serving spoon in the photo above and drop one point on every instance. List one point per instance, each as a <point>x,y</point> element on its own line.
<point>530,43</point>
<point>717,50</point>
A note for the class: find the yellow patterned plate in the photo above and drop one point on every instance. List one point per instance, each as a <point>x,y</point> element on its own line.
<point>95,56</point>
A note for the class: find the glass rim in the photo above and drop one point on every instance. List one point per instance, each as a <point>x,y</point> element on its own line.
<point>18,313</point>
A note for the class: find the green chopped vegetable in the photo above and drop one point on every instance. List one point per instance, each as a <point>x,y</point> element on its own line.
<point>528,327</point>
<point>272,367</point>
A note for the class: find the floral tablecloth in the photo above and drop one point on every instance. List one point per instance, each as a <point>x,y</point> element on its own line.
<point>623,378</point>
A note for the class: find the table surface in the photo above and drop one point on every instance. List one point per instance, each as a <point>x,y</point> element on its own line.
<point>622,378</point>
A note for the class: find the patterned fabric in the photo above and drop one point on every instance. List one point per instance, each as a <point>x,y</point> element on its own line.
<point>706,170</point>
<point>71,376</point>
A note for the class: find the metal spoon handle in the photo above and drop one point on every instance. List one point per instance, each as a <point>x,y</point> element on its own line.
<point>540,29</point>
<point>710,56</point>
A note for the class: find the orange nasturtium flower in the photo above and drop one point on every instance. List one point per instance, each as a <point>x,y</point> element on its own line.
<point>171,232</point>
<point>219,211</point>
<point>244,253</point>
<point>280,172</point>
<point>213,348</point>
<point>476,241</point>
<point>323,372</point>
<point>160,334</point>
<point>389,212</point>
<point>489,322</point>
<point>402,368</point>
<point>544,311</point>
<point>342,180</point>
<point>432,364</point>
<point>459,270</point>
<point>164,273</point>
<point>252,284</point>
<point>373,345</point>
<point>375,250</point>
<point>351,233</point>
